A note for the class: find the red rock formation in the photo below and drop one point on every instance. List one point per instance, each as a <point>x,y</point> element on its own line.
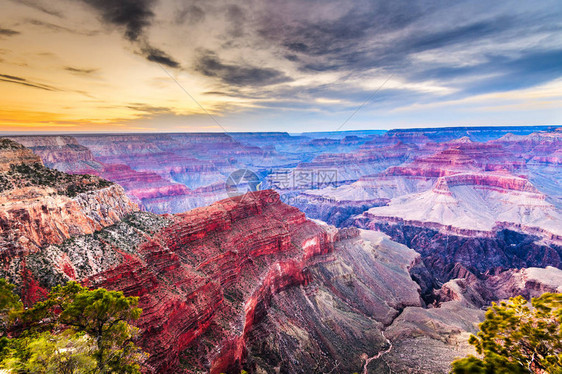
<point>41,206</point>
<point>250,281</point>
<point>63,153</point>
<point>368,160</point>
<point>251,246</point>
<point>491,182</point>
<point>12,153</point>
<point>144,187</point>
<point>206,271</point>
<point>464,187</point>
<point>479,292</point>
<point>191,159</point>
<point>458,157</point>
<point>33,217</point>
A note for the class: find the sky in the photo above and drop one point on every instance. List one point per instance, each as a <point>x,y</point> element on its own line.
<point>277,65</point>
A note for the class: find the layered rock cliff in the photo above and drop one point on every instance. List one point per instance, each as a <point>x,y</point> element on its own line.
<point>250,283</point>
<point>239,284</point>
<point>61,152</point>
<point>41,206</point>
<point>461,186</point>
<point>205,270</point>
<point>12,153</point>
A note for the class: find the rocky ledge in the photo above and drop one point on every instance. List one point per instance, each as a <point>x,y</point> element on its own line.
<point>41,206</point>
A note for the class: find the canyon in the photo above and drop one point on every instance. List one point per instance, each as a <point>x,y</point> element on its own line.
<point>385,270</point>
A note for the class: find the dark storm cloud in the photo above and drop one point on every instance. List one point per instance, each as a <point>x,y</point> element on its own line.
<point>133,15</point>
<point>156,55</point>
<point>24,82</point>
<point>210,65</point>
<point>8,32</point>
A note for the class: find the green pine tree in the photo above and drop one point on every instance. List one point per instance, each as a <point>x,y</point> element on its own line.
<point>75,330</point>
<point>516,337</point>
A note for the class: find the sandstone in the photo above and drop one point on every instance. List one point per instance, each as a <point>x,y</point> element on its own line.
<point>41,206</point>
<point>61,152</point>
<point>12,153</point>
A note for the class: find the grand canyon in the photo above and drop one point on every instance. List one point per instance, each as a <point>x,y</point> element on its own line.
<point>280,187</point>
<point>336,252</point>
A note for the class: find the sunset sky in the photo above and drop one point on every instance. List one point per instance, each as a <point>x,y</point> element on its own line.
<point>270,65</point>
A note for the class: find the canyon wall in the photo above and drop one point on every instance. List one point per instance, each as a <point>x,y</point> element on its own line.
<point>250,282</point>
<point>239,284</point>
<point>40,206</point>
<point>459,185</point>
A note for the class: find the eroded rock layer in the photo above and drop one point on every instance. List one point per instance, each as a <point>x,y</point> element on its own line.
<point>210,268</point>
<point>250,283</point>
<point>41,206</point>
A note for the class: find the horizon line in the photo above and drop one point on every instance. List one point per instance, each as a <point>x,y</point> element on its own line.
<point>442,128</point>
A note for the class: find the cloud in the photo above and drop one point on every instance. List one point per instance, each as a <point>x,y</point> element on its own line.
<point>210,65</point>
<point>475,49</point>
<point>333,31</point>
<point>24,82</point>
<point>329,56</point>
<point>8,32</point>
<point>148,109</point>
<point>156,55</point>
<point>236,17</point>
<point>357,42</point>
<point>38,6</point>
<point>57,28</point>
<point>80,71</point>
<point>48,25</point>
<point>133,15</point>
<point>497,72</point>
<point>192,14</point>
<point>500,74</point>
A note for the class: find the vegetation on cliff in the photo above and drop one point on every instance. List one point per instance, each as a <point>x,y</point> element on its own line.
<point>10,144</point>
<point>20,168</point>
<point>75,330</point>
<point>518,338</point>
<point>27,175</point>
